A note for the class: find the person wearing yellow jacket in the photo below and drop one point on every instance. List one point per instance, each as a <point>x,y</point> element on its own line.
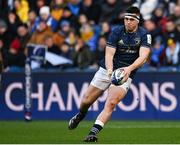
<point>22,8</point>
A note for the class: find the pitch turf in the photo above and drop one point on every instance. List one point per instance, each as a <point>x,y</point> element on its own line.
<point>115,132</point>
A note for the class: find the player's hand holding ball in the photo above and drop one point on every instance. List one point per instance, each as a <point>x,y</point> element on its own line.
<point>119,76</point>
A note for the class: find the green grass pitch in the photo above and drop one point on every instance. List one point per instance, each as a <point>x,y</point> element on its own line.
<point>115,132</point>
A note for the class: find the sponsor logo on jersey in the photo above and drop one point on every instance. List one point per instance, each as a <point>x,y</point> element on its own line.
<point>121,42</point>
<point>137,40</point>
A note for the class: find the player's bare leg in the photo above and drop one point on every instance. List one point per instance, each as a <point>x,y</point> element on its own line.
<point>90,96</point>
<point>116,94</point>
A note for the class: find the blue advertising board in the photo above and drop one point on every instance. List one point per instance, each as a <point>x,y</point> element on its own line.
<point>57,95</point>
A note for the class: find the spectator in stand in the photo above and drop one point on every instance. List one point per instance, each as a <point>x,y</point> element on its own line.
<point>172,53</point>
<point>81,56</point>
<point>14,59</point>
<point>22,8</point>
<point>23,36</point>
<point>159,17</point>
<point>46,17</point>
<point>5,36</point>
<point>91,10</point>
<point>124,4</point>
<point>109,10</point>
<point>60,36</point>
<point>74,6</point>
<point>40,34</point>
<point>118,20</point>
<point>71,39</point>
<point>38,5</point>
<point>19,43</point>
<point>100,51</point>
<point>51,46</point>
<point>176,11</point>
<point>31,20</point>
<point>105,29</point>
<point>69,16</point>
<point>3,28</point>
<point>157,53</point>
<point>82,20</point>
<point>66,50</point>
<point>4,8</point>
<point>13,22</point>
<point>89,36</point>
<point>57,8</point>
<point>147,7</point>
<point>170,29</point>
<point>154,30</point>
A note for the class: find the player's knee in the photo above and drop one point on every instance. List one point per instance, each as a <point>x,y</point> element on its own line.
<point>112,104</point>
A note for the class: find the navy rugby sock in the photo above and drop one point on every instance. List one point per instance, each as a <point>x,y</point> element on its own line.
<point>95,129</point>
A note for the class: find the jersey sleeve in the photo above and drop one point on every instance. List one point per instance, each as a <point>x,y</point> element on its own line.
<point>146,40</point>
<point>113,38</point>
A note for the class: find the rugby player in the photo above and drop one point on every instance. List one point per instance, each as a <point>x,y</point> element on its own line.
<point>128,48</point>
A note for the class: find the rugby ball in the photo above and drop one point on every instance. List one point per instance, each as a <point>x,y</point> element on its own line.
<point>117,77</point>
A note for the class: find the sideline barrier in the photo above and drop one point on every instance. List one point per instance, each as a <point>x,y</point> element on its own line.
<point>57,95</point>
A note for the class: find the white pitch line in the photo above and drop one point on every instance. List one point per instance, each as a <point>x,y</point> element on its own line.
<point>143,126</point>
<point>139,126</point>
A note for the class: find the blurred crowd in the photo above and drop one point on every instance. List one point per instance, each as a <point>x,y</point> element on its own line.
<point>78,29</point>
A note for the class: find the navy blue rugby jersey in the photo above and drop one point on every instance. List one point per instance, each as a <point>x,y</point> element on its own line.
<point>127,46</point>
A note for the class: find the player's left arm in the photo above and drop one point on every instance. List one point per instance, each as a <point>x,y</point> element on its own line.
<point>144,53</point>
<point>143,56</point>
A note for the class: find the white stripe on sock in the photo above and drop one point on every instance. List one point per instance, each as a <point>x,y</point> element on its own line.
<point>99,123</point>
<point>95,130</point>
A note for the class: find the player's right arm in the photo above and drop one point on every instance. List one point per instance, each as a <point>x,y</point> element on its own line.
<point>110,51</point>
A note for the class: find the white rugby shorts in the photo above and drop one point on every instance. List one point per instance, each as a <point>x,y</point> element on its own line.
<point>102,81</point>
